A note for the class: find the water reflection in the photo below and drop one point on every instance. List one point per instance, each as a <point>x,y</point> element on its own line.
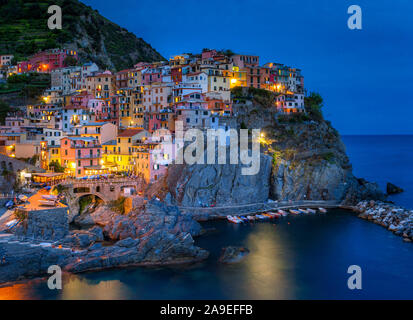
<point>79,287</point>
<point>265,268</point>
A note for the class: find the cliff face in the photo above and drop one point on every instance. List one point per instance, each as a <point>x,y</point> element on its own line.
<point>24,31</point>
<point>224,184</point>
<point>305,159</point>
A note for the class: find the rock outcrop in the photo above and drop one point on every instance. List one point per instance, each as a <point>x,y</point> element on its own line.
<point>393,189</point>
<point>233,254</point>
<point>153,234</point>
<point>48,224</point>
<point>201,185</point>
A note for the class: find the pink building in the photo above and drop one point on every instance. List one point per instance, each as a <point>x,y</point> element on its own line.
<point>243,61</point>
<point>81,100</point>
<point>81,155</point>
<point>208,54</point>
<point>46,61</point>
<point>154,121</point>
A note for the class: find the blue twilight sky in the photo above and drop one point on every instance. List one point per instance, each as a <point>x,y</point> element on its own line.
<point>365,76</point>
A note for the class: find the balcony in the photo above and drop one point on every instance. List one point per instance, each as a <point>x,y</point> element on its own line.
<point>88,156</point>
<point>86,146</point>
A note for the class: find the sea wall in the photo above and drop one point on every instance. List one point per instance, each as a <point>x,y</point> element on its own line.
<point>394,218</point>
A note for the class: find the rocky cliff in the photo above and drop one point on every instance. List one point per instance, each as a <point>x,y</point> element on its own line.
<point>224,184</point>
<point>303,158</point>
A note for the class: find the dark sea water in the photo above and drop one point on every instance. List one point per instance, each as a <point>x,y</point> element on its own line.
<point>384,159</point>
<point>302,257</point>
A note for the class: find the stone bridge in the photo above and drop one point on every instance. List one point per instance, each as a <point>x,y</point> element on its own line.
<point>106,189</point>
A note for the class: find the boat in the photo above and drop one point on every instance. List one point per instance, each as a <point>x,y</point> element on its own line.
<point>49,197</point>
<point>303,210</point>
<point>311,210</point>
<point>274,215</point>
<point>243,218</point>
<point>9,204</point>
<point>283,213</point>
<point>22,197</point>
<point>322,210</point>
<point>230,218</point>
<point>251,218</point>
<point>260,217</point>
<point>11,224</point>
<point>47,203</point>
<point>292,211</point>
<point>234,219</point>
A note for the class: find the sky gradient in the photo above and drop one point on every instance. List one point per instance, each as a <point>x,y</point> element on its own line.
<point>364,76</point>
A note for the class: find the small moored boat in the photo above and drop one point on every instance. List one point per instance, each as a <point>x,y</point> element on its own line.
<point>292,211</point>
<point>274,214</point>
<point>311,210</point>
<point>49,197</point>
<point>47,203</point>
<point>9,204</point>
<point>234,219</point>
<point>303,210</point>
<point>283,213</point>
<point>251,218</point>
<point>322,210</point>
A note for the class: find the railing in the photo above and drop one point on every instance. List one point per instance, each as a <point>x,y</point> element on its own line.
<point>102,180</point>
<point>89,156</point>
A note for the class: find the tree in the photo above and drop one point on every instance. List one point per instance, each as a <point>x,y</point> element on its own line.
<point>4,109</point>
<point>70,61</point>
<point>313,105</point>
<point>56,166</point>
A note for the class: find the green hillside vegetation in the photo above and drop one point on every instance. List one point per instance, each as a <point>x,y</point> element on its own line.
<point>24,31</point>
<point>29,86</point>
<point>4,109</point>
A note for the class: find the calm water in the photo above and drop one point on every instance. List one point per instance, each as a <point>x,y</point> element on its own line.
<point>384,159</point>
<point>293,258</point>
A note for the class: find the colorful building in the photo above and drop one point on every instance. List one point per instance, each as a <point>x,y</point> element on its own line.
<point>81,156</point>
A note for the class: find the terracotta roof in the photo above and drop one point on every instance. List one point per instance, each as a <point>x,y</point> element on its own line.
<point>129,133</point>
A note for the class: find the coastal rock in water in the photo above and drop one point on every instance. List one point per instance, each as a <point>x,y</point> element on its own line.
<point>21,260</point>
<point>393,189</point>
<point>158,248</point>
<point>233,254</point>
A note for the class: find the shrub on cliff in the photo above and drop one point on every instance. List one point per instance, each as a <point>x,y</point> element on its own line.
<point>4,109</point>
<point>313,105</point>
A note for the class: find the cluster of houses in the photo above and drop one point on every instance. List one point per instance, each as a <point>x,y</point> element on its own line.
<point>95,122</point>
